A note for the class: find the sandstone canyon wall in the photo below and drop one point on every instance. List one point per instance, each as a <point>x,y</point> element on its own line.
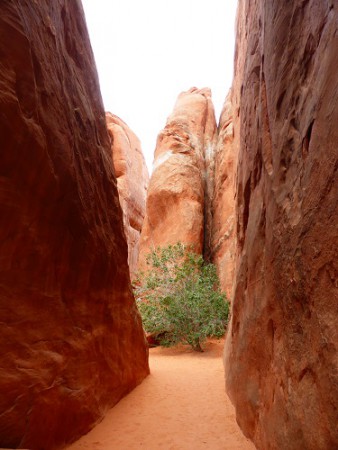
<point>176,196</point>
<point>71,339</point>
<point>222,199</point>
<point>281,348</point>
<point>132,182</point>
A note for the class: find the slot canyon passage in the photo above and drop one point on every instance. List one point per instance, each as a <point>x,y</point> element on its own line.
<point>256,194</point>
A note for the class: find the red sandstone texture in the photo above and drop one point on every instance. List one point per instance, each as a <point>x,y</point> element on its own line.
<point>222,200</point>
<point>71,339</point>
<point>132,182</point>
<point>175,202</point>
<point>281,349</point>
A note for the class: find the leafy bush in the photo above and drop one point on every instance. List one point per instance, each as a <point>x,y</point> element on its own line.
<point>179,298</point>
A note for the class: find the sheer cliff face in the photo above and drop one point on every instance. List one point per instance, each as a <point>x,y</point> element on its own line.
<point>71,339</point>
<point>132,182</point>
<point>175,202</point>
<point>281,350</point>
<point>222,199</point>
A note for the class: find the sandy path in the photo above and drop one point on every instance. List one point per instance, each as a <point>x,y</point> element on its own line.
<point>182,405</point>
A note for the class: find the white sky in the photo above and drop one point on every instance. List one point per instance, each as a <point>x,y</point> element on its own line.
<point>149,51</point>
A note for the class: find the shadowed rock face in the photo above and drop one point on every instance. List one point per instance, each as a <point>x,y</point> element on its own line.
<point>132,182</point>
<point>71,339</point>
<point>175,202</point>
<point>281,350</point>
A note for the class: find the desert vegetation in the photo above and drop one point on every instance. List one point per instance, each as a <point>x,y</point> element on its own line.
<point>179,297</point>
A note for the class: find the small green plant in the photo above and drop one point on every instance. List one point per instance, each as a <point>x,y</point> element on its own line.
<point>179,297</point>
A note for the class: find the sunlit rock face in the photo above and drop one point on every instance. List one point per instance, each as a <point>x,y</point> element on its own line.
<point>71,339</point>
<point>132,182</point>
<point>281,349</point>
<point>175,202</point>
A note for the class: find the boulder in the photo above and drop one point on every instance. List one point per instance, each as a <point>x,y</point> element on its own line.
<point>71,338</point>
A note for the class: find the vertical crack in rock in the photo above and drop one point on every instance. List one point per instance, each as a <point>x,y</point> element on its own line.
<point>210,140</point>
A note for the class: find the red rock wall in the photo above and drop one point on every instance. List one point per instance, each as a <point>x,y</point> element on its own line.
<point>223,229</point>
<point>281,349</point>
<point>223,199</point>
<point>132,182</point>
<point>175,202</point>
<point>71,339</point>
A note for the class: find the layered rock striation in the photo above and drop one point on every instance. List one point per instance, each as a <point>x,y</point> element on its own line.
<point>132,182</point>
<point>281,349</point>
<point>71,338</point>
<point>175,210</point>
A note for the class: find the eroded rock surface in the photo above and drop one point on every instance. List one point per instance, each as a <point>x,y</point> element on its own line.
<point>71,339</point>
<point>175,202</point>
<point>132,182</point>
<point>222,200</point>
<point>281,351</point>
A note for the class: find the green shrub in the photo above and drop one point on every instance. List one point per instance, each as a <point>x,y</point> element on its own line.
<point>179,297</point>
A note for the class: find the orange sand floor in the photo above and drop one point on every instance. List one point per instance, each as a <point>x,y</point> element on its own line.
<point>182,405</point>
